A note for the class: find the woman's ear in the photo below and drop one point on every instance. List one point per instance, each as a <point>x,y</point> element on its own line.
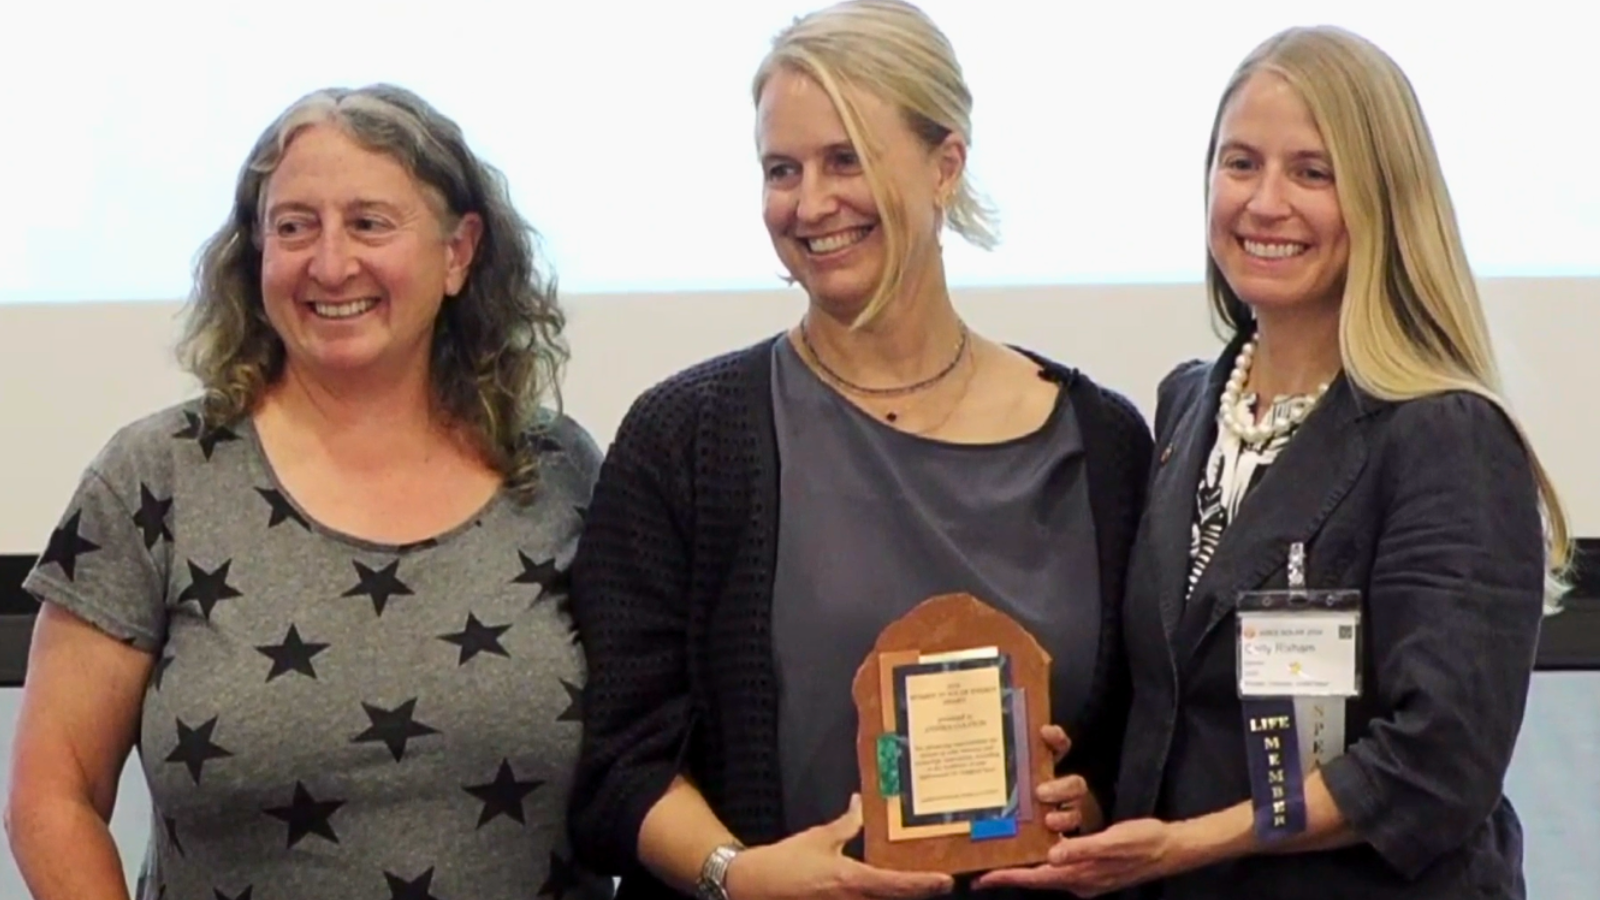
<point>462,247</point>
<point>951,156</point>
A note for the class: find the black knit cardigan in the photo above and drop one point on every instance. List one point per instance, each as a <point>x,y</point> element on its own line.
<point>672,592</point>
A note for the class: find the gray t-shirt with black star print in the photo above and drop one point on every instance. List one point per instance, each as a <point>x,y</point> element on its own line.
<point>329,717</point>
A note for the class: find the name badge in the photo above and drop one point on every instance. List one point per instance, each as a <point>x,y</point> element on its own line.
<point>1298,654</point>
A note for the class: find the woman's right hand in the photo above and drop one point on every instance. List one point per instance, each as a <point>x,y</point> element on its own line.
<point>812,864</point>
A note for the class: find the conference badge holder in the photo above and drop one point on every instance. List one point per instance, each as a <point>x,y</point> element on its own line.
<point>1299,660</point>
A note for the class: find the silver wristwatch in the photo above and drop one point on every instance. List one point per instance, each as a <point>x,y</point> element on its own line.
<point>713,884</point>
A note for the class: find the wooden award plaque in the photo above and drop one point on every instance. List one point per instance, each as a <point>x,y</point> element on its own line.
<point>950,703</point>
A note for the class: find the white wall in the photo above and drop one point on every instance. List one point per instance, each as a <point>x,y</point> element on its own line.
<point>70,374</point>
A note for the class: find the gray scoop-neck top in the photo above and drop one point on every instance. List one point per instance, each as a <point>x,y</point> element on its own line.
<point>329,717</point>
<point>873,520</point>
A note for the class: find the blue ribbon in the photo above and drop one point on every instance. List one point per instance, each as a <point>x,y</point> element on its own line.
<point>1277,783</point>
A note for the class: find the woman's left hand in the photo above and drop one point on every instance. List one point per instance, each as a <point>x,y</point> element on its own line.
<point>1072,807</point>
<point>1126,854</point>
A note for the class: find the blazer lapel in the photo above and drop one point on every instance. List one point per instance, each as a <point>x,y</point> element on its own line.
<point>1172,499</point>
<point>1295,495</point>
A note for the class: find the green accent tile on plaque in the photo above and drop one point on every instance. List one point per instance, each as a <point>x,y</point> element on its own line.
<point>889,765</point>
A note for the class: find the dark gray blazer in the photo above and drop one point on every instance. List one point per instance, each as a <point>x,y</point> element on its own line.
<point>1429,507</point>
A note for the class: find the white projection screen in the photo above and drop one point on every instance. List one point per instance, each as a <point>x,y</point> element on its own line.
<point>625,127</point>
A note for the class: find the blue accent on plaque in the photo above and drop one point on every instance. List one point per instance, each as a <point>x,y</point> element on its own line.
<point>989,829</point>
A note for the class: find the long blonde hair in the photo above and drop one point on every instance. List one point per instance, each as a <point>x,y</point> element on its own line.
<point>1411,323</point>
<point>498,348</point>
<point>891,50</point>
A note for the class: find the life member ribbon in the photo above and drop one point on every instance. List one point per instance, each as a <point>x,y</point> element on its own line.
<point>1277,779</point>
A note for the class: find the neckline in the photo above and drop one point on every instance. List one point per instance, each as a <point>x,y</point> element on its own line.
<point>1057,410</point>
<point>261,463</point>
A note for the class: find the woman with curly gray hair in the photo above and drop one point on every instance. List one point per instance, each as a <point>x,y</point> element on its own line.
<point>325,598</point>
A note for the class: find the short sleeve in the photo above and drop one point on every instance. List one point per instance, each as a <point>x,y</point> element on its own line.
<point>582,455</point>
<point>106,558</point>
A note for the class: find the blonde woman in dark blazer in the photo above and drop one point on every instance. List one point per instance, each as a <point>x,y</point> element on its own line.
<point>1355,414</point>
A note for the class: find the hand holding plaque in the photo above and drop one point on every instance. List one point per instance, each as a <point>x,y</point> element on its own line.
<point>812,863</point>
<point>951,701</point>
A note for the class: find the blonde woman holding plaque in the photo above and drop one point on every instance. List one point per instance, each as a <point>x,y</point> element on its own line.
<point>1354,416</point>
<point>762,516</point>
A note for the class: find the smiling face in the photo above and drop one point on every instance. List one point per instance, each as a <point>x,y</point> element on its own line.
<point>817,202</point>
<point>356,261</point>
<point>1276,230</point>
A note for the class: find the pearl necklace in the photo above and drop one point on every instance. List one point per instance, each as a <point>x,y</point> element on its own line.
<point>1235,416</point>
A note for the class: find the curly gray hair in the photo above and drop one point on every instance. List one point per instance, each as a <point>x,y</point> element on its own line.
<point>498,348</point>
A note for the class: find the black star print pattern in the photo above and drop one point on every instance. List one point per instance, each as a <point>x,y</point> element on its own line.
<point>393,727</point>
<point>574,710</point>
<point>262,755</point>
<point>415,889</point>
<point>195,748</point>
<point>152,517</point>
<point>66,545</point>
<point>562,878</point>
<point>544,574</point>
<point>306,814</point>
<point>282,510</point>
<point>476,638</point>
<point>208,588</point>
<point>171,826</point>
<point>380,585</point>
<point>293,655</point>
<point>502,796</point>
<point>208,439</point>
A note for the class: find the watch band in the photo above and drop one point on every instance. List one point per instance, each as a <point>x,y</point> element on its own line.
<point>713,883</point>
